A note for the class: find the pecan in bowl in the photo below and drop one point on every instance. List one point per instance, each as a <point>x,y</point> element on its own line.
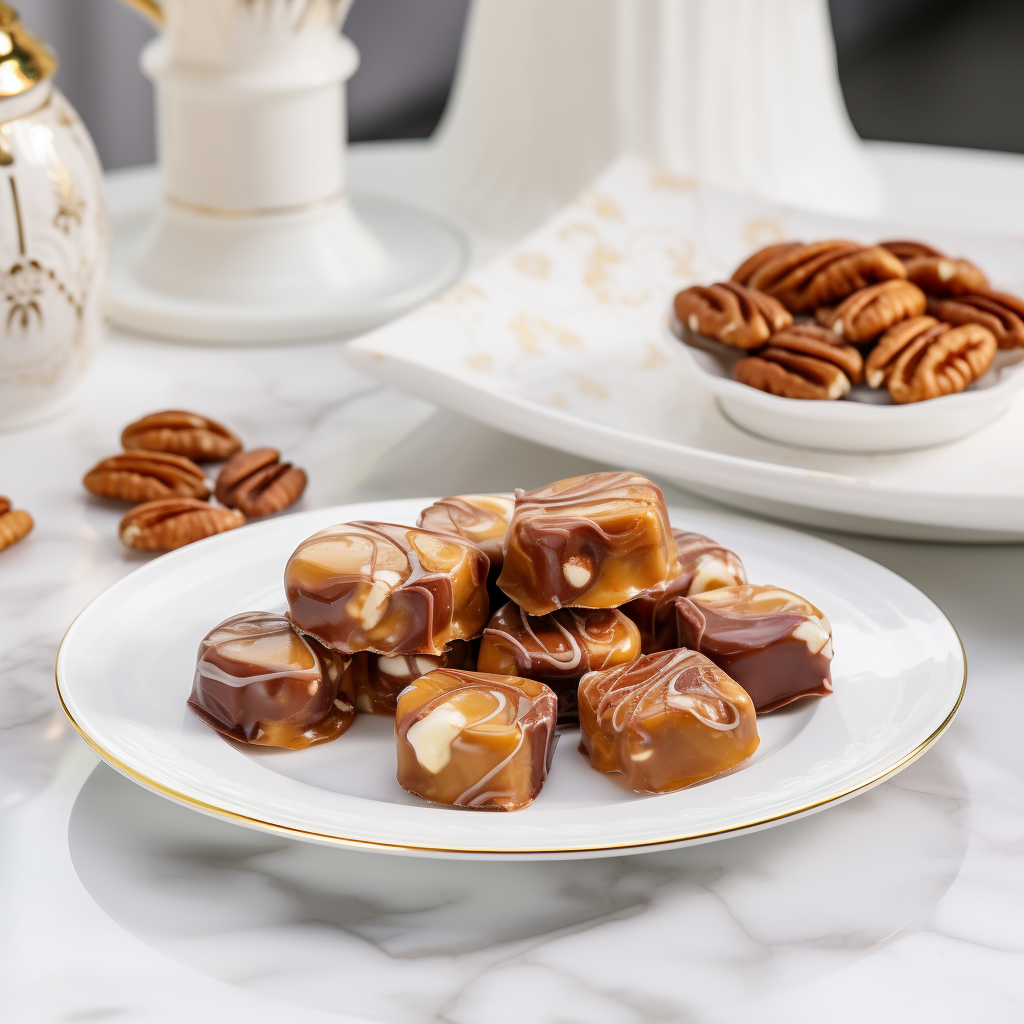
<point>823,273</point>
<point>802,361</point>
<point>866,313</point>
<point>138,476</point>
<point>731,313</point>
<point>14,524</point>
<point>182,433</point>
<point>259,483</point>
<point>745,271</point>
<point>999,312</point>
<point>924,358</point>
<point>174,522</point>
<point>936,273</point>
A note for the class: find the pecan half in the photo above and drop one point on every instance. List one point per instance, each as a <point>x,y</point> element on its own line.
<point>935,272</point>
<point>1001,313</point>
<point>181,433</point>
<point>943,360</point>
<point>734,315</point>
<point>822,273</point>
<point>13,525</point>
<point>174,522</point>
<point>802,361</point>
<point>259,483</point>
<point>755,261</point>
<point>882,358</point>
<point>145,476</point>
<point>869,311</point>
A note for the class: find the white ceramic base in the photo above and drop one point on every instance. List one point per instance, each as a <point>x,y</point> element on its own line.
<point>280,278</point>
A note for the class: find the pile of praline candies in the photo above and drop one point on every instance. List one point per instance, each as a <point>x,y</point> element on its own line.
<point>495,625</point>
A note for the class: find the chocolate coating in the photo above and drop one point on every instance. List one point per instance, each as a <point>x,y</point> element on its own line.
<point>480,518</point>
<point>592,541</point>
<point>666,721</point>
<point>376,680</point>
<point>259,681</point>
<point>706,566</point>
<point>558,648</point>
<point>776,645</point>
<point>386,588</point>
<point>470,739</point>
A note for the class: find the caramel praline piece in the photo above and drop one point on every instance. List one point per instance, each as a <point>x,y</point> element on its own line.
<point>386,588</point>
<point>665,722</point>
<point>558,648</point>
<point>592,541</point>
<point>259,681</point>
<point>480,518</point>
<point>707,565</point>
<point>470,739</point>
<point>376,680</point>
<point>776,645</point>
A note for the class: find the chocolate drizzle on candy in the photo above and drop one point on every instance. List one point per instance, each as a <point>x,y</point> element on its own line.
<point>706,566</point>
<point>592,541</point>
<point>558,648</point>
<point>385,588</point>
<point>475,740</point>
<point>776,645</point>
<point>667,721</point>
<point>480,518</point>
<point>259,681</point>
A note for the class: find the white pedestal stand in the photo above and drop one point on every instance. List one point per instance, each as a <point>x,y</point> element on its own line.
<point>741,93</point>
<point>255,238</point>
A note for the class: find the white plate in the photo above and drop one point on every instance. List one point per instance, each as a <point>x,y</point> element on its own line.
<point>865,420</point>
<point>561,342</point>
<point>125,669</point>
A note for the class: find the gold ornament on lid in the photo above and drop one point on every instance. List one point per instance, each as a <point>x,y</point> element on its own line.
<point>25,61</point>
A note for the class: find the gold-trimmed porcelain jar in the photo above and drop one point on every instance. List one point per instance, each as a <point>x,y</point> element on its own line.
<point>54,236</point>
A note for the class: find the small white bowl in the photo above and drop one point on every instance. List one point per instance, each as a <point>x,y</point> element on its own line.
<point>866,420</point>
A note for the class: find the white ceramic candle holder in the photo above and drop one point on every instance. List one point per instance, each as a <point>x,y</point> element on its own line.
<point>255,237</point>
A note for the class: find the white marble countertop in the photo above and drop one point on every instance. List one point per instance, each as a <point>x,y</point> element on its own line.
<point>902,904</point>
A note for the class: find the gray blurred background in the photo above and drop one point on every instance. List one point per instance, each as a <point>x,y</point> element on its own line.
<point>940,71</point>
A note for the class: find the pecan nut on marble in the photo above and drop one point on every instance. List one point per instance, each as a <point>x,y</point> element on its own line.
<point>731,313</point>
<point>924,358</point>
<point>15,525</point>
<point>174,522</point>
<point>936,273</point>
<point>145,476</point>
<point>259,483</point>
<point>999,312</point>
<point>666,721</point>
<point>260,681</point>
<point>822,273</point>
<point>475,740</point>
<point>804,361</point>
<point>866,313</point>
<point>182,433</point>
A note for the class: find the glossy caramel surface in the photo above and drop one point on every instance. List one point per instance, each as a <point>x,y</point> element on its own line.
<point>666,721</point>
<point>376,680</point>
<point>557,649</point>
<point>775,644</point>
<point>475,740</point>
<point>480,518</point>
<point>706,565</point>
<point>386,588</point>
<point>259,681</point>
<point>592,541</point>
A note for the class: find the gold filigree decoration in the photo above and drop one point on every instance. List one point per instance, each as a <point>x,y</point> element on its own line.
<point>656,357</point>
<point>23,288</point>
<point>681,260</point>
<point>591,388</point>
<point>560,401</point>
<point>532,264</point>
<point>665,181</point>
<point>604,206</point>
<point>762,231</point>
<point>529,331</point>
<point>462,294</point>
<point>601,261</point>
<point>70,204</point>
<point>481,362</point>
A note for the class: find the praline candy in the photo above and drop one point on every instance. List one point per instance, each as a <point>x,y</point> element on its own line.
<point>259,681</point>
<point>475,740</point>
<point>480,518</point>
<point>557,649</point>
<point>776,645</point>
<point>389,589</point>
<point>665,722</point>
<point>707,565</point>
<point>376,680</point>
<point>592,541</point>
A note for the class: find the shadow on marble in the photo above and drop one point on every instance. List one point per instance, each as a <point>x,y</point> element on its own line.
<point>655,937</point>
